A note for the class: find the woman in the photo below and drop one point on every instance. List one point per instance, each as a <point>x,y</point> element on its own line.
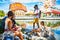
<point>37,13</point>
<point>9,25</point>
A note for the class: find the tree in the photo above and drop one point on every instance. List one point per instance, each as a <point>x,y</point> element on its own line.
<point>2,13</point>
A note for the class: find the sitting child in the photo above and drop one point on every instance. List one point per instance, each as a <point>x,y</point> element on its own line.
<point>43,32</point>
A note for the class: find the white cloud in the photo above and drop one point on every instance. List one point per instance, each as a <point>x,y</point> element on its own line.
<point>58,6</point>
<point>25,1</point>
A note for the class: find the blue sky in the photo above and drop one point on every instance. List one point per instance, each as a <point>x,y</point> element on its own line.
<point>57,2</point>
<point>4,4</point>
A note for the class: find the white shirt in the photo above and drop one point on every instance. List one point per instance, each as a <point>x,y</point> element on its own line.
<point>36,12</point>
<point>42,27</point>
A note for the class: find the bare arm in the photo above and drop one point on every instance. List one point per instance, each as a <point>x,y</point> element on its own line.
<point>10,25</point>
<point>39,14</point>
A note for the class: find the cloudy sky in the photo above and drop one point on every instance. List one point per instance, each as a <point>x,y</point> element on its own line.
<point>25,1</point>
<point>4,4</point>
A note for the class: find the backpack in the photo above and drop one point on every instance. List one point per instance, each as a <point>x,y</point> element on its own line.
<point>39,14</point>
<point>2,27</point>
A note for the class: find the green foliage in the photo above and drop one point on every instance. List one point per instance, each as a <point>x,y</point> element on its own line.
<point>18,24</point>
<point>44,15</point>
<point>58,23</point>
<point>53,24</point>
<point>49,24</point>
<point>2,13</point>
<point>23,30</point>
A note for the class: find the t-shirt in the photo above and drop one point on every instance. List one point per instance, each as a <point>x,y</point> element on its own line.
<point>37,13</point>
<point>42,28</point>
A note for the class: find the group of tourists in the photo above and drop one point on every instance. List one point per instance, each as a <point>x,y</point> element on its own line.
<point>42,30</point>
<point>10,25</point>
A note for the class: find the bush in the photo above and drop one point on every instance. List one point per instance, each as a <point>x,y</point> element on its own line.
<point>49,24</point>
<point>2,13</point>
<point>53,24</point>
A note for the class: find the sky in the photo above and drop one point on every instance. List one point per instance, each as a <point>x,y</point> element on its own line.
<point>4,4</point>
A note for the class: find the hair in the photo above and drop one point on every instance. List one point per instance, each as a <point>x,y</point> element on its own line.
<point>42,22</point>
<point>10,13</point>
<point>36,6</point>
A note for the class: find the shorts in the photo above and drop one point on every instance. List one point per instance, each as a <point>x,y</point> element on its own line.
<point>36,20</point>
<point>8,33</point>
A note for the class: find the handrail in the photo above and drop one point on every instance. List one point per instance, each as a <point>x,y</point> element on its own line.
<point>32,18</point>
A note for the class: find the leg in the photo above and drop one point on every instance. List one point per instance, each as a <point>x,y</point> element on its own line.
<point>34,25</point>
<point>19,34</point>
<point>38,24</point>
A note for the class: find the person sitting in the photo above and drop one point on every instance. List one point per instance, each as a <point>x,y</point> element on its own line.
<point>41,31</point>
<point>44,32</point>
<point>9,25</point>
